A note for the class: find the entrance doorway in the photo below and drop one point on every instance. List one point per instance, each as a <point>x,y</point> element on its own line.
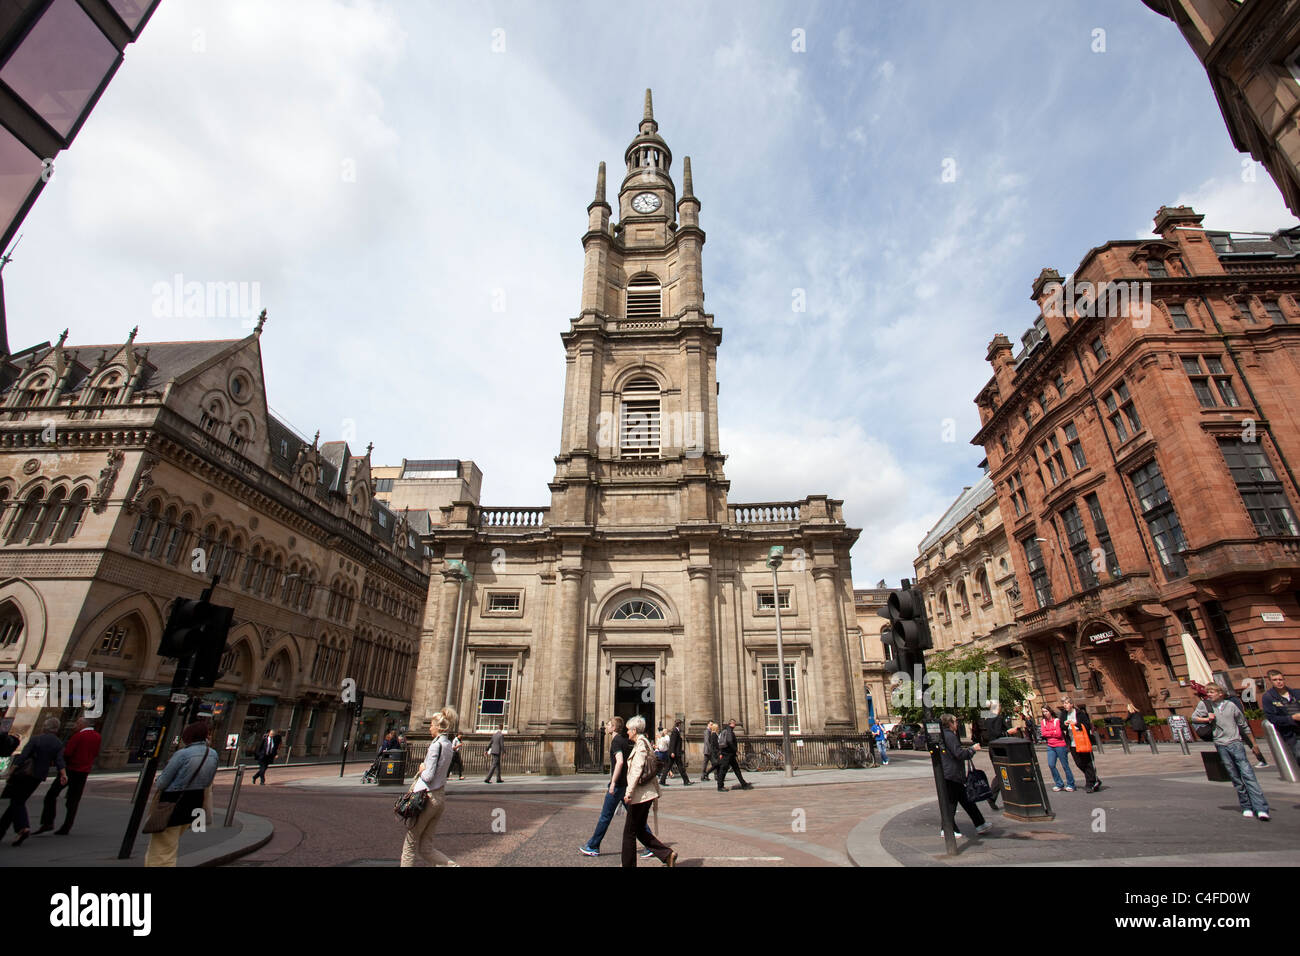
<point>1126,676</point>
<point>635,693</point>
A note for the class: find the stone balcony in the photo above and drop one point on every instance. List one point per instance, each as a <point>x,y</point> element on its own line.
<point>815,509</point>
<point>1242,556</point>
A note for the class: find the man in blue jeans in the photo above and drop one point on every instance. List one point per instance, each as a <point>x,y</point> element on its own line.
<point>1230,729</point>
<point>620,751</point>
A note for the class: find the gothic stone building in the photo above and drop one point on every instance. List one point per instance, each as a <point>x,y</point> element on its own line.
<point>120,465</point>
<point>640,589</point>
<point>1144,461</point>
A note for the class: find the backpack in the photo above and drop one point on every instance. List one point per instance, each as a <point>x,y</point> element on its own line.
<point>650,769</point>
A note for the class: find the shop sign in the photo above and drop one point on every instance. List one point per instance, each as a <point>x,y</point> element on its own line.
<point>1273,617</point>
<point>1104,636</point>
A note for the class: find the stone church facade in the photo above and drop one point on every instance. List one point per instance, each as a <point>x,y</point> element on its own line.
<point>640,588</point>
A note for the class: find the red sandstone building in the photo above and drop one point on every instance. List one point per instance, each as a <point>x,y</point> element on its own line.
<point>1145,461</point>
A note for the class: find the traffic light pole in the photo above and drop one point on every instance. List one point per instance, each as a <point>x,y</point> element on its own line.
<point>947,812</point>
<point>179,696</point>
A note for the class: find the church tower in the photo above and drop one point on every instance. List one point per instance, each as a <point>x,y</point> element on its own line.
<point>641,589</point>
<point>639,442</point>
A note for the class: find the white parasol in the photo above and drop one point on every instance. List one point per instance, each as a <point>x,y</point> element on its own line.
<point>1198,668</point>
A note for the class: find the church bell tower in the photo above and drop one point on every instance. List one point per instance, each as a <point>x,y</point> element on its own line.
<point>639,439</point>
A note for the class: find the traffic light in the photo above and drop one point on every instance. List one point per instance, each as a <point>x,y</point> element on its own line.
<point>909,633</point>
<point>198,628</point>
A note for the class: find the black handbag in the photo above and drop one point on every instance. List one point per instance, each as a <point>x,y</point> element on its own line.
<point>1205,731</point>
<point>410,805</point>
<point>977,784</point>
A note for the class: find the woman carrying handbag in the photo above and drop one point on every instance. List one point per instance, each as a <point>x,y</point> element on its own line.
<point>429,789</point>
<point>182,788</point>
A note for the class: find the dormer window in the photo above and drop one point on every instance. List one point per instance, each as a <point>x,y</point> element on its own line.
<point>644,298</point>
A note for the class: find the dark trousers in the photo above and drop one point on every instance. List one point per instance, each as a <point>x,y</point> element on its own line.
<point>957,795</point>
<point>710,761</point>
<point>493,768</point>
<point>612,800</point>
<point>262,764</point>
<point>634,828</point>
<point>677,765</point>
<point>1084,763</point>
<point>727,761</point>
<point>17,790</point>
<point>76,786</point>
<point>457,765</point>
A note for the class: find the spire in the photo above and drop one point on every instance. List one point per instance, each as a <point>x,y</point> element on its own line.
<point>600,184</point>
<point>261,321</point>
<point>648,120</point>
<point>688,191</point>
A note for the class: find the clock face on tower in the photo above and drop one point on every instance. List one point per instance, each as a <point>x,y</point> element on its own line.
<point>645,202</point>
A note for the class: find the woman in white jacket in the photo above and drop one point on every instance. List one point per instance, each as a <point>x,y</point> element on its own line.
<point>640,797</point>
<point>433,778</point>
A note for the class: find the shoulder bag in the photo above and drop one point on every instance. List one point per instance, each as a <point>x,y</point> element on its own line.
<point>160,811</point>
<point>977,784</point>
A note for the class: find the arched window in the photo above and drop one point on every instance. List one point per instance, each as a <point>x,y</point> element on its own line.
<point>638,609</point>
<point>25,521</point>
<point>119,638</point>
<point>4,502</point>
<point>231,562</point>
<point>945,612</point>
<point>644,298</point>
<point>638,429</point>
<point>143,524</point>
<point>74,513</point>
<point>180,536</point>
<point>963,602</point>
<point>272,576</point>
<point>50,516</point>
<point>258,564</point>
<point>982,586</point>
<point>11,624</point>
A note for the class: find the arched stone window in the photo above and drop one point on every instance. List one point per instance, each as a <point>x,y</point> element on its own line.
<point>50,516</point>
<point>644,297</point>
<point>11,624</point>
<point>74,513</point>
<point>963,602</point>
<point>985,593</point>
<point>639,417</point>
<point>24,522</point>
<point>637,609</point>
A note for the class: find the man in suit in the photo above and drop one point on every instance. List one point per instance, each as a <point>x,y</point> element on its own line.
<point>79,754</point>
<point>266,751</point>
<point>495,746</point>
<point>727,747</point>
<point>710,748</point>
<point>30,768</point>
<point>676,757</point>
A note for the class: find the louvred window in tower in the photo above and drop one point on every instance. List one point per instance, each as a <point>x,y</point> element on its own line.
<point>639,419</point>
<point>644,298</point>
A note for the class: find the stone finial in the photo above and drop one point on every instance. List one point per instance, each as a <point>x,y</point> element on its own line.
<point>649,107</point>
<point>315,442</point>
<point>63,337</point>
<point>688,186</point>
<point>369,448</point>
<point>131,338</point>
<point>600,184</point>
<point>261,321</point>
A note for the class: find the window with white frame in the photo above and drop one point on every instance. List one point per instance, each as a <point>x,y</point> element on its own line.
<point>767,603</point>
<point>637,610</point>
<point>639,419</point>
<point>493,697</point>
<point>503,602</point>
<point>772,698</point>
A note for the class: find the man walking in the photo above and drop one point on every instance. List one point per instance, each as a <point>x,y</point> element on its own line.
<point>1281,706</point>
<point>266,751</point>
<point>676,757</point>
<point>620,752</point>
<point>79,754</point>
<point>495,746</point>
<point>727,747</point>
<point>1230,729</point>
<point>710,748</point>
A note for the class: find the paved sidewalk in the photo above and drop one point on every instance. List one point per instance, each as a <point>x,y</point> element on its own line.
<point>101,823</point>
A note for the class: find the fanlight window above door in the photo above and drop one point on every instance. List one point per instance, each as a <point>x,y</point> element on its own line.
<point>637,610</point>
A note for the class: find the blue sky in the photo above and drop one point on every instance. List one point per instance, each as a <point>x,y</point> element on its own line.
<point>389,172</point>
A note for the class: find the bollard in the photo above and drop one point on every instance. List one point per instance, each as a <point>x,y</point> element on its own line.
<point>1097,744</point>
<point>1283,757</point>
<point>1151,741</point>
<point>1123,741</point>
<point>1182,742</point>
<point>234,794</point>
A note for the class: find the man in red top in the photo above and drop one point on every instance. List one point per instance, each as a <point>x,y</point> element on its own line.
<point>79,753</point>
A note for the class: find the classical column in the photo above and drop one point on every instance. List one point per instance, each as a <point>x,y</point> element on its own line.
<point>435,655</point>
<point>566,669</point>
<point>701,658</point>
<point>830,652</point>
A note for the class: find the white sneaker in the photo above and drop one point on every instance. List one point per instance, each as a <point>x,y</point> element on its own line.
<point>1247,813</point>
<point>984,828</point>
<point>1263,815</point>
<point>959,834</point>
<point>1056,789</point>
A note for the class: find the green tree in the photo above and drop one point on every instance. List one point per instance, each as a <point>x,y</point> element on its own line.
<point>962,665</point>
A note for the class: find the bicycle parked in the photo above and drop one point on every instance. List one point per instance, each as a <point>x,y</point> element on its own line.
<point>857,755</point>
<point>763,759</point>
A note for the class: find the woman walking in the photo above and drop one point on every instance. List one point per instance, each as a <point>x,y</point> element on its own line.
<point>1058,751</point>
<point>31,767</point>
<point>184,784</point>
<point>642,792</point>
<point>954,759</point>
<point>1136,723</point>
<point>433,778</point>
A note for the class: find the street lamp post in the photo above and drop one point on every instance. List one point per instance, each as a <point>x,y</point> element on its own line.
<point>775,555</point>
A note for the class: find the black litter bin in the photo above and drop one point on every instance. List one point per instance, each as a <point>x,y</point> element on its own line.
<point>392,768</point>
<point>1015,768</point>
<point>1214,768</point>
<point>1115,728</point>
